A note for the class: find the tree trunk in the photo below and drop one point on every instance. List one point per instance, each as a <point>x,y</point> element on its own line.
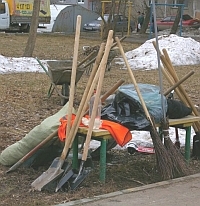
<point>110,24</point>
<point>33,30</point>
<point>146,19</point>
<point>177,19</point>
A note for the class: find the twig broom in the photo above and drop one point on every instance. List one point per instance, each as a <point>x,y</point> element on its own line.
<point>179,165</point>
<point>164,163</point>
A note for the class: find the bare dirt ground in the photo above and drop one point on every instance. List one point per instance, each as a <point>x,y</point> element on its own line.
<point>24,104</point>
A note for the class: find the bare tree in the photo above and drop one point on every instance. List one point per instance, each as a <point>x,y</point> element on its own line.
<point>33,30</point>
<point>110,23</point>
<point>146,19</point>
<point>177,19</point>
<point>114,8</point>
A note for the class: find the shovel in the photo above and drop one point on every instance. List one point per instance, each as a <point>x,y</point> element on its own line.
<point>82,108</point>
<point>72,172</point>
<point>71,175</point>
<point>55,170</point>
<point>83,172</point>
<point>67,176</point>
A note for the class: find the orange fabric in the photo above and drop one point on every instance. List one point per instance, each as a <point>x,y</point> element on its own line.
<point>62,127</point>
<point>120,133</point>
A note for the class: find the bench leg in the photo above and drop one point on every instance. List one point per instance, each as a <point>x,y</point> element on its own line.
<point>75,153</point>
<point>187,143</point>
<point>102,176</point>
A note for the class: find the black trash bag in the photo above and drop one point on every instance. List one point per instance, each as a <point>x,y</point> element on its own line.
<point>127,110</point>
<point>176,109</point>
<point>196,146</point>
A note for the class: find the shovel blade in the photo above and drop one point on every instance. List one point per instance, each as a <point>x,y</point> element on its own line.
<point>75,182</point>
<point>53,173</point>
<point>64,179</point>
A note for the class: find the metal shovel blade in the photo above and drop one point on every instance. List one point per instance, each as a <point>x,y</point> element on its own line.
<point>64,179</point>
<point>50,175</point>
<point>75,182</point>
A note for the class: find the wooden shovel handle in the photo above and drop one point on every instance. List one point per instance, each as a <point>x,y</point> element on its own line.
<point>72,85</point>
<point>87,95</point>
<point>102,68</point>
<point>85,98</point>
<point>133,80</point>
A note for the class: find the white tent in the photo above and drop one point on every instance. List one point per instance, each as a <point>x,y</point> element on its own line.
<point>66,19</point>
<point>63,18</point>
<point>55,10</point>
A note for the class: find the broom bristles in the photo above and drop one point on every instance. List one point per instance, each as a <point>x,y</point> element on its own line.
<point>164,163</point>
<point>179,164</point>
<point>180,167</point>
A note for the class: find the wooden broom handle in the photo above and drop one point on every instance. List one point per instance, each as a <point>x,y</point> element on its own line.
<point>134,81</point>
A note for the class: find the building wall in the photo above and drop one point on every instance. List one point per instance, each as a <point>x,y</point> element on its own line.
<point>197,9</point>
<point>162,11</point>
<point>193,5</point>
<point>193,8</point>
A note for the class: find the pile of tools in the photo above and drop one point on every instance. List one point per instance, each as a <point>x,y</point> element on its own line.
<point>169,160</point>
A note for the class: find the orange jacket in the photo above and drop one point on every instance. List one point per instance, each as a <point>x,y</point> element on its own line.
<point>120,133</point>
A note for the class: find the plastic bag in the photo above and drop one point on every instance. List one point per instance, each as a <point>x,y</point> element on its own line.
<point>176,109</point>
<point>127,109</point>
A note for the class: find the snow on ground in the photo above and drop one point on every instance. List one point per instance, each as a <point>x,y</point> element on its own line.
<point>182,51</point>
